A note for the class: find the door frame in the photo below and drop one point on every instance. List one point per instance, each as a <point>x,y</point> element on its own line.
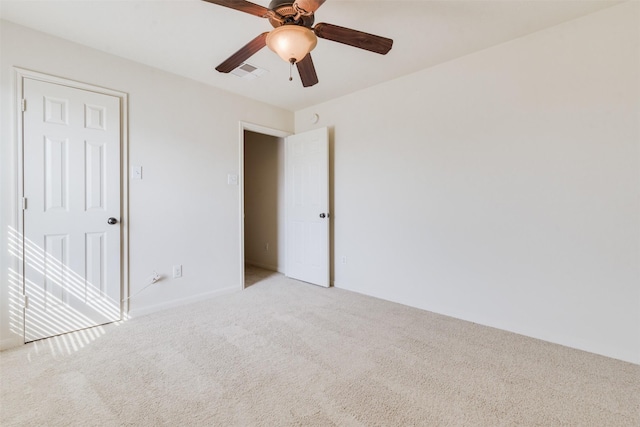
<point>20,75</point>
<point>252,127</point>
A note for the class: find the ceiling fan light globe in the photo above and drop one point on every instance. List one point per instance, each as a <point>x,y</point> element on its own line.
<point>292,42</point>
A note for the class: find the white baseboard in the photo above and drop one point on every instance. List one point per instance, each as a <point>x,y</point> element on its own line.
<point>8,343</point>
<point>143,311</point>
<point>339,285</point>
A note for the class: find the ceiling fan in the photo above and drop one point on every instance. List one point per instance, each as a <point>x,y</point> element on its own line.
<point>294,35</point>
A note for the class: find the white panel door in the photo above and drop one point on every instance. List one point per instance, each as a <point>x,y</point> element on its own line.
<point>71,167</point>
<point>307,195</point>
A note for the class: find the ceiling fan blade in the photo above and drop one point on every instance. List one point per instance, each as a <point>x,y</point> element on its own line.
<point>309,6</point>
<point>354,38</point>
<point>307,71</point>
<point>243,6</point>
<point>243,54</point>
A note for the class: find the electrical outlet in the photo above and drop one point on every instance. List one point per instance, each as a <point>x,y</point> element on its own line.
<point>177,271</point>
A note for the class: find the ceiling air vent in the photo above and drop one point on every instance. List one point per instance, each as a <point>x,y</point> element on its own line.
<point>248,71</point>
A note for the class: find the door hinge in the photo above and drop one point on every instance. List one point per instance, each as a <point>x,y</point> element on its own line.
<point>24,105</point>
<point>24,203</point>
<point>26,301</point>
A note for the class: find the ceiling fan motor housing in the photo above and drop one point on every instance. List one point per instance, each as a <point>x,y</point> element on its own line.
<point>285,8</point>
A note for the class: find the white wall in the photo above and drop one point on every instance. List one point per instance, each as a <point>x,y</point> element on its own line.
<point>183,133</point>
<point>264,200</point>
<point>502,187</point>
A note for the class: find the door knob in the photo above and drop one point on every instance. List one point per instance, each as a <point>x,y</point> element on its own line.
<point>322,215</point>
<point>112,221</point>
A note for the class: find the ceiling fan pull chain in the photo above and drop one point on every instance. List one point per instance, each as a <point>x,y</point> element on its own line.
<point>291,62</point>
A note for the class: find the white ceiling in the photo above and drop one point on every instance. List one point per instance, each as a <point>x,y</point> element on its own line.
<point>191,37</point>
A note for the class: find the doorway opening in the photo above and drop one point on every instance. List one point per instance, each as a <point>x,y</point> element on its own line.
<point>263,205</point>
<point>292,211</point>
<point>262,202</point>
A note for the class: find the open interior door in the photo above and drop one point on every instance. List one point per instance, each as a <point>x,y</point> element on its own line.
<point>307,201</point>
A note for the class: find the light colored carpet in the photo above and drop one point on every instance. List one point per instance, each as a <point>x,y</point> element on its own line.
<point>284,353</point>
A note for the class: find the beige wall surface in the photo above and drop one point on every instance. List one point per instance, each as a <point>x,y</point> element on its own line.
<point>502,187</point>
<point>184,134</point>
